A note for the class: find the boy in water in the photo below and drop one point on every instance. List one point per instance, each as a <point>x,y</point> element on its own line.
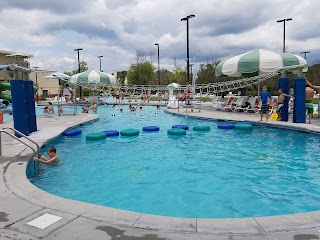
<point>265,101</point>
<point>53,157</point>
<point>281,99</point>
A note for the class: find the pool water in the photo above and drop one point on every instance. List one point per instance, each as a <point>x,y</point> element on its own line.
<point>218,174</point>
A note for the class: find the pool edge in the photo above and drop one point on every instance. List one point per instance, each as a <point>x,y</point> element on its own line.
<point>22,187</point>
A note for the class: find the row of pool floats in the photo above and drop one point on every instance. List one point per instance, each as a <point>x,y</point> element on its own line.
<point>238,125</point>
<point>179,129</point>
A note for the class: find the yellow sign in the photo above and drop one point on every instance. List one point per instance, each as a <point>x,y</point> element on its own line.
<point>274,115</point>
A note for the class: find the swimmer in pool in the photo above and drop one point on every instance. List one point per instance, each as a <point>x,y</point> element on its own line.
<point>53,157</point>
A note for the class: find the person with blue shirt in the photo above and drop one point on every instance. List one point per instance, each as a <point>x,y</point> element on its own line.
<point>265,101</point>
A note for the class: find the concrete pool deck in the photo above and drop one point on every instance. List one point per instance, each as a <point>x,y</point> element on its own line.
<point>21,202</point>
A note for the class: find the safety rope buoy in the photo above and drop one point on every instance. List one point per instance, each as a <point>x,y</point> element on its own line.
<point>225,126</point>
<point>150,129</point>
<point>96,136</point>
<point>111,133</point>
<point>181,126</point>
<point>202,128</point>
<point>130,132</point>
<point>176,131</point>
<point>243,126</point>
<point>72,132</point>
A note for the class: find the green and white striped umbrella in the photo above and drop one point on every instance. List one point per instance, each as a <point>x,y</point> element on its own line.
<point>258,62</point>
<point>93,77</point>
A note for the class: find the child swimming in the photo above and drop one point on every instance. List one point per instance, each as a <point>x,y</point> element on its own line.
<point>53,157</point>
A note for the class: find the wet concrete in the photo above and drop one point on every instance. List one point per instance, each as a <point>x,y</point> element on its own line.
<point>3,217</point>
<point>117,234</point>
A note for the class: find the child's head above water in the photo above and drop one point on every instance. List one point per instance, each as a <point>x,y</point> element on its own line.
<point>51,151</point>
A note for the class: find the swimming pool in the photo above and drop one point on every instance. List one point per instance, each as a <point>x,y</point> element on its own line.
<point>218,174</point>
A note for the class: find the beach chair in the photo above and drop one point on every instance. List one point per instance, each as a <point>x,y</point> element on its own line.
<point>216,102</point>
<point>252,105</point>
<point>240,104</point>
<point>229,105</point>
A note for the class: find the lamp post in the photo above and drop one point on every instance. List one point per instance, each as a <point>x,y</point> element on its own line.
<point>78,50</point>
<point>284,31</point>
<point>37,95</point>
<point>305,54</point>
<point>100,61</point>
<point>188,62</point>
<point>157,44</point>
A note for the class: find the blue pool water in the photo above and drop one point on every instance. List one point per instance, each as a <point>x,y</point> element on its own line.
<point>219,174</point>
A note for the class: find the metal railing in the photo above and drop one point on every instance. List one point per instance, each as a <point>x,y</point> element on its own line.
<point>35,152</point>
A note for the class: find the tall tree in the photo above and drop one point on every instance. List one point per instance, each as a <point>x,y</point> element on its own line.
<point>140,73</point>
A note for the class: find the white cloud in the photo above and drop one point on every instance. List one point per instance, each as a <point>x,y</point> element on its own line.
<point>50,30</point>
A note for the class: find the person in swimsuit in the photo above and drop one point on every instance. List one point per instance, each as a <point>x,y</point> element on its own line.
<point>265,101</point>
<point>309,103</point>
<point>281,99</point>
<point>53,157</point>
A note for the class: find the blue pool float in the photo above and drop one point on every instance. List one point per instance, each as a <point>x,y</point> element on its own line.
<point>111,133</point>
<point>181,126</point>
<point>150,129</point>
<point>72,132</point>
<point>225,126</point>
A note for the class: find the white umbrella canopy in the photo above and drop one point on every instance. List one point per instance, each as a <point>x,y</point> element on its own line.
<point>258,62</point>
<point>93,77</point>
<point>173,86</point>
<point>57,75</point>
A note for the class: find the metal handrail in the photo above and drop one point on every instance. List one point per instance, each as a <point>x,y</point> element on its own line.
<point>23,135</point>
<point>13,136</point>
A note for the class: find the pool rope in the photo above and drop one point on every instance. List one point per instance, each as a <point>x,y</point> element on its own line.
<point>72,132</point>
<point>176,131</point>
<point>130,132</point>
<point>202,128</point>
<point>96,136</point>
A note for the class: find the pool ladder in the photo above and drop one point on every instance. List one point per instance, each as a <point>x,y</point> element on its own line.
<point>35,151</point>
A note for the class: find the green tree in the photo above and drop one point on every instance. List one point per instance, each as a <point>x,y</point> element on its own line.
<point>179,75</point>
<point>83,67</point>
<point>121,76</point>
<point>140,74</point>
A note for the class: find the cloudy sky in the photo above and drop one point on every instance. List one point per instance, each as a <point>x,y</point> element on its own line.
<point>52,29</point>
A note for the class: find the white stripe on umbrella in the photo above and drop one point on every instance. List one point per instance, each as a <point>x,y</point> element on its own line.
<point>230,66</point>
<point>271,61</point>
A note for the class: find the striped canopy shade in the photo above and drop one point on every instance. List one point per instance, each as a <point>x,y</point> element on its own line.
<point>258,62</point>
<point>93,77</point>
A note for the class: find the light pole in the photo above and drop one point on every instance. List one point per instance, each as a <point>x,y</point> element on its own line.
<point>37,95</point>
<point>305,54</point>
<point>100,61</point>
<point>78,50</point>
<point>188,62</point>
<point>157,44</point>
<point>284,31</point>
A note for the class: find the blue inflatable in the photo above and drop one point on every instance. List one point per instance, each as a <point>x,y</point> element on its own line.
<point>181,126</point>
<point>225,126</point>
<point>111,133</point>
<point>72,132</point>
<point>150,129</point>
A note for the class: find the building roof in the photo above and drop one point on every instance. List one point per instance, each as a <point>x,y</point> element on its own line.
<point>15,54</point>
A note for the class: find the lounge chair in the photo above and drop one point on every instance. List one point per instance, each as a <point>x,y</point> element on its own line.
<point>240,104</point>
<point>252,105</point>
<point>229,105</point>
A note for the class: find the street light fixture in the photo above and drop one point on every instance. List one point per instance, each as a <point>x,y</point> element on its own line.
<point>284,31</point>
<point>305,54</point>
<point>78,50</point>
<point>188,62</point>
<point>100,61</point>
<point>37,95</point>
<point>157,44</point>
